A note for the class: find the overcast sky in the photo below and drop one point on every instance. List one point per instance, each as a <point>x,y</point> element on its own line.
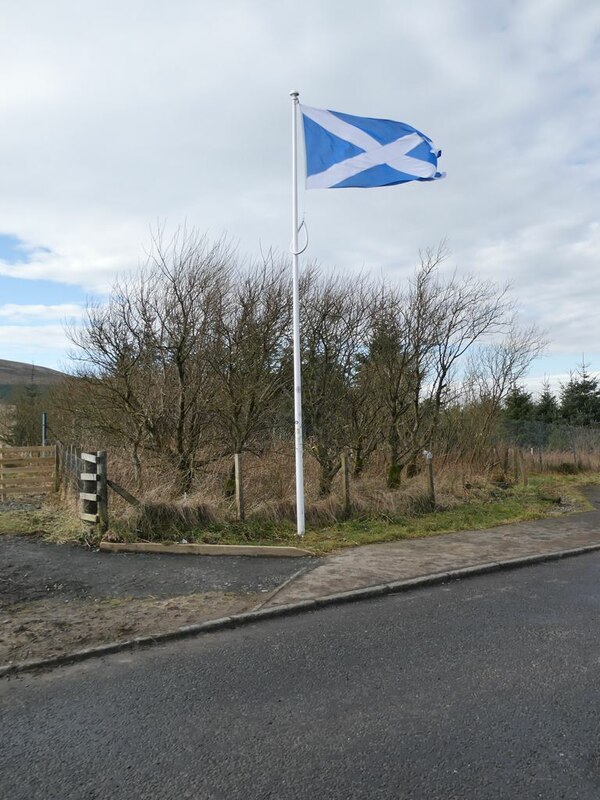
<point>119,114</point>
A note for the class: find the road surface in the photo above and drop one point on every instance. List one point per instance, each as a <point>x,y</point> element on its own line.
<point>485,689</point>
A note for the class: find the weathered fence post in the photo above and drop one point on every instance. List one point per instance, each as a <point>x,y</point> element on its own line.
<point>102,490</point>
<point>505,462</point>
<point>239,487</point>
<point>88,492</point>
<point>44,428</point>
<point>57,468</point>
<point>346,483</point>
<point>429,458</point>
<point>94,490</point>
<point>522,467</point>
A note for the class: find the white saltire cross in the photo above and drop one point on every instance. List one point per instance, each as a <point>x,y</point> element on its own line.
<point>392,154</point>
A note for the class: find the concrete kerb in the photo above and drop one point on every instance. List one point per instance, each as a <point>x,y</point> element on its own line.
<point>249,617</point>
<point>279,588</point>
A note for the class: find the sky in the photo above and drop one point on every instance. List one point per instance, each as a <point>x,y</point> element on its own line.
<point>118,117</point>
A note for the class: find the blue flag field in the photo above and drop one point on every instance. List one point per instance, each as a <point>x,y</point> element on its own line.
<point>348,151</point>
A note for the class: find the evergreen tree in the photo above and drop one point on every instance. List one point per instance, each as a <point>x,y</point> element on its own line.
<point>546,409</point>
<point>518,404</point>
<point>27,404</point>
<point>580,398</point>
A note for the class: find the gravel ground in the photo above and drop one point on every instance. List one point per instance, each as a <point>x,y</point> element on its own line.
<point>35,569</point>
<point>21,505</point>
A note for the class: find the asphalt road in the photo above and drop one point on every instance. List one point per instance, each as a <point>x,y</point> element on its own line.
<point>32,569</point>
<point>478,690</point>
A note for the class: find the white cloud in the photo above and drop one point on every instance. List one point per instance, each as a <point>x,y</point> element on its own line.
<point>536,384</point>
<point>122,114</point>
<point>45,345</point>
<point>16,312</point>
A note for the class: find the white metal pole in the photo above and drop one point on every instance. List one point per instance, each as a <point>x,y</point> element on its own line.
<point>299,444</point>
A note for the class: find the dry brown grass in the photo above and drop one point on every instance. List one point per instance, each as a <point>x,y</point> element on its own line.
<point>565,462</point>
<point>270,495</point>
<point>166,519</point>
<point>369,499</point>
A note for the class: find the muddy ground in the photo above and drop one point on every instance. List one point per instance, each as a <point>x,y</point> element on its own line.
<point>59,598</point>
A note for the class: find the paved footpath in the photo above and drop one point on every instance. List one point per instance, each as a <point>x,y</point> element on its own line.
<point>374,564</point>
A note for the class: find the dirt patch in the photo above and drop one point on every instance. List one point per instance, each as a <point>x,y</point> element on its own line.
<point>51,626</point>
<point>58,598</point>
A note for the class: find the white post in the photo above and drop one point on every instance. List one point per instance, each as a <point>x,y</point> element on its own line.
<point>296,328</point>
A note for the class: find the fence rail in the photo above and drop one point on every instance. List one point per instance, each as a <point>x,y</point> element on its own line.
<point>27,470</point>
<point>83,476</point>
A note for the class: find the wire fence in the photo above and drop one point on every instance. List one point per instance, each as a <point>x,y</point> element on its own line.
<point>554,443</point>
<point>70,466</point>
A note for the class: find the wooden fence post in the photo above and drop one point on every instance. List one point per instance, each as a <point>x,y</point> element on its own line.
<point>429,458</point>
<point>57,470</point>
<point>239,487</point>
<point>505,462</point>
<point>89,488</point>
<point>522,466</point>
<point>346,483</point>
<point>102,490</point>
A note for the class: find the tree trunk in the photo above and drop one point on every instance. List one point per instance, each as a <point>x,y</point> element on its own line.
<point>137,466</point>
<point>394,474</point>
<point>412,468</point>
<point>185,476</point>
<point>326,479</point>
<point>359,463</point>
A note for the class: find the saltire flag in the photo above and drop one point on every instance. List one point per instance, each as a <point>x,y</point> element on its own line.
<point>343,151</point>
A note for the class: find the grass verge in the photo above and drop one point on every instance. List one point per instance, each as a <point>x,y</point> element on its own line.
<point>545,496</point>
<point>51,522</point>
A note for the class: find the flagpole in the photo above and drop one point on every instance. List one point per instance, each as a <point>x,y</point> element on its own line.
<point>299,444</point>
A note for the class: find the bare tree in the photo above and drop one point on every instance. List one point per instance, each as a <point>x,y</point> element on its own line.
<point>248,357</point>
<point>388,368</point>
<point>144,352</point>
<point>335,324</point>
<point>448,317</point>
<point>491,371</point>
<point>419,339</point>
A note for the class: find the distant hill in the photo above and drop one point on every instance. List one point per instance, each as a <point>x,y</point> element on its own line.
<point>16,373</point>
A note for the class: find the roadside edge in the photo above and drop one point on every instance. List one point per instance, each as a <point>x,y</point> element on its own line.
<point>248,617</point>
